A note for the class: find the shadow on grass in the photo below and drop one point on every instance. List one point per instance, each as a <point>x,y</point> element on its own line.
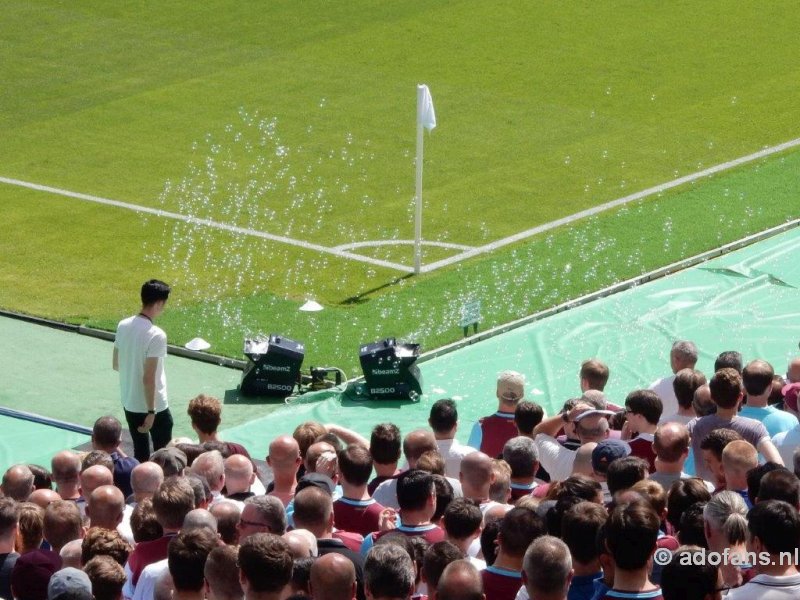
<point>234,397</point>
<point>364,296</point>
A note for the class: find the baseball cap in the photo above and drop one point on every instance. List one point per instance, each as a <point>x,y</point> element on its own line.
<point>69,584</point>
<point>594,413</point>
<point>172,460</point>
<point>790,392</point>
<point>607,451</point>
<point>31,573</point>
<point>319,480</point>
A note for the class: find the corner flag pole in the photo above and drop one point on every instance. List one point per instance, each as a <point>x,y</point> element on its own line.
<point>418,218</point>
<point>426,118</point>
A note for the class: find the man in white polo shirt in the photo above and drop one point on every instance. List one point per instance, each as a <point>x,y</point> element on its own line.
<point>139,351</point>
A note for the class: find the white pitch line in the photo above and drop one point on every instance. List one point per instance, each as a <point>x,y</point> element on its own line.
<point>208,223</point>
<point>372,244</point>
<point>608,205</point>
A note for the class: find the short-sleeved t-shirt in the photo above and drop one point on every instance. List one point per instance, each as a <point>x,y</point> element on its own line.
<point>750,429</point>
<point>775,420</point>
<point>138,339</point>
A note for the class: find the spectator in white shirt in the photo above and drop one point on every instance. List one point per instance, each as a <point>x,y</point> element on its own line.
<point>682,356</point>
<point>444,423</point>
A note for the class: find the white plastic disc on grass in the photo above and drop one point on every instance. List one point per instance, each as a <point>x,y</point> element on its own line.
<point>197,344</point>
<point>311,306</point>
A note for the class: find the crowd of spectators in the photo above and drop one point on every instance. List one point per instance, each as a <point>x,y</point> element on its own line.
<point>598,501</point>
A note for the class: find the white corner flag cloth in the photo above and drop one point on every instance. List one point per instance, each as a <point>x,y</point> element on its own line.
<point>427,114</point>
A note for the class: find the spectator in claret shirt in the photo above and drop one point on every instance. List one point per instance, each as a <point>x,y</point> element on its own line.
<point>631,534</point>
<point>643,408</point>
<point>490,434</point>
<point>518,528</point>
<point>416,495</point>
<point>356,510</point>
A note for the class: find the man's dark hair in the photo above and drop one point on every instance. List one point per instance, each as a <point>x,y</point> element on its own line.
<point>682,494</point>
<point>42,478</point>
<point>266,561</point>
<point>355,464</point>
<point>107,432</point>
<point>105,542</point>
<point>437,557</point>
<point>757,377</point>
<point>527,415</point>
<point>462,518</point>
<point>730,359</point>
<point>488,541</point>
<point>726,387</point>
<point>595,373</point>
<point>692,529</point>
<point>754,477</point>
<point>518,528</point>
<point>717,439</point>
<point>645,403</point>
<point>687,579</point>
<point>579,524</point>
<point>187,556</point>
<point>62,523</point>
<point>154,291</point>
<point>173,499</point>
<point>388,572</point>
<point>312,506</point>
<point>776,524</point>
<point>778,484</point>
<point>301,573</point>
<point>444,415</point>
<point>9,515</point>
<point>107,577</point>
<point>413,489</point>
<point>685,385</point>
<point>580,486</point>
<point>384,443</point>
<point>631,534</point>
<point>444,496</point>
<point>144,524</point>
<point>623,473</point>
<point>97,457</point>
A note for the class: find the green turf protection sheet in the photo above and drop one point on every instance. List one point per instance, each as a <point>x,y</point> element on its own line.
<point>30,442</point>
<point>748,300</point>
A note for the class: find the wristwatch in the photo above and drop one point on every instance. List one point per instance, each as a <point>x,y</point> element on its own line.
<point>151,412</point>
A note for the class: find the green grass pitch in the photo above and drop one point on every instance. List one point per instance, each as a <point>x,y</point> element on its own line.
<point>297,119</point>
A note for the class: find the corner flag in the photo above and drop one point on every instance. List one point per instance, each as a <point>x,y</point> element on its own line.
<point>427,114</point>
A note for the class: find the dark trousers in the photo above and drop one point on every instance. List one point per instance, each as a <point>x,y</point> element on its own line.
<point>161,432</point>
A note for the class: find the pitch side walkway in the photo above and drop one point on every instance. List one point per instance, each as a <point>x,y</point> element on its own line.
<point>748,300</point>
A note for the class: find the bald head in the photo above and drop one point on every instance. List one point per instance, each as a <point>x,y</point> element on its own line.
<point>283,452</point>
<point>460,581</point>
<point>302,543</point>
<point>702,403</point>
<point>65,467</point>
<point>476,475</point>
<point>17,483</point>
<point>93,477</point>
<point>314,452</point>
<point>44,497</point>
<point>145,479</point>
<point>71,554</point>
<point>671,442</point>
<point>104,507</point>
<point>199,518</point>
<point>583,460</point>
<point>417,443</point>
<point>333,577</point>
<point>239,474</point>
